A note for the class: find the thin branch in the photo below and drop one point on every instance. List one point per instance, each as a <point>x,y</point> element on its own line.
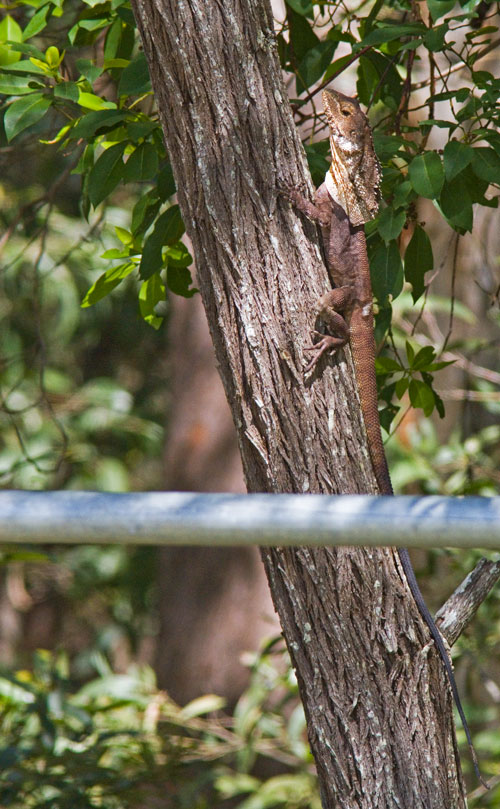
<point>459,610</point>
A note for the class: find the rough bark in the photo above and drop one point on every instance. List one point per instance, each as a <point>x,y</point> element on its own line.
<point>214,603</point>
<point>376,700</point>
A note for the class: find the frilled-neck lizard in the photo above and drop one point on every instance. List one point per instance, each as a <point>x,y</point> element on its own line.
<point>347,199</point>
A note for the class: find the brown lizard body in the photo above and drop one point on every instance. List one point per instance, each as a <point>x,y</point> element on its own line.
<point>347,199</point>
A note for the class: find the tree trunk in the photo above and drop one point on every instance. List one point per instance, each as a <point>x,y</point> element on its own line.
<point>377,705</point>
<point>214,603</point>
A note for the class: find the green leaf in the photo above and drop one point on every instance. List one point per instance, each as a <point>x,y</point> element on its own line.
<point>388,33</point>
<point>24,66</point>
<point>421,395</point>
<point>179,281</point>
<point>403,193</point>
<point>378,77</point>
<point>390,223</point>
<point>126,15</point>
<point>111,63</point>
<point>435,36</point>
<point>383,320</point>
<point>53,57</point>
<point>387,365</point>
<point>401,387</point>
<point>25,47</point>
<point>301,34</point>
<point>314,64</point>
<point>85,31</point>
<point>423,358</point>
<point>302,7</point>
<point>179,256</point>
<point>10,31</point>
<point>388,146</point>
<point>438,8</point>
<point>141,129</point>
<point>37,22</point>
<point>142,164</point>
<point>168,229</point>
<point>106,173</point>
<point>426,174</point>
<point>418,260</point>
<point>456,204</point>
<point>386,270</point>
<point>115,252</point>
<point>456,157</point>
<point>11,85</point>
<point>151,293</point>
<point>108,281</point>
<point>24,113</point>
<point>166,183</point>
<point>135,79</point>
<point>486,164</point>
<point>89,69</point>
<point>124,235</point>
<point>439,122</point>
<point>92,102</point>
<point>461,95</point>
<point>144,213</point>
<point>95,123</point>
<point>67,90</point>
<point>117,42</point>
<point>387,416</point>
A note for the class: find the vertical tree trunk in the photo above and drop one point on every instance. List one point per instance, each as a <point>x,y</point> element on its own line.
<point>373,688</point>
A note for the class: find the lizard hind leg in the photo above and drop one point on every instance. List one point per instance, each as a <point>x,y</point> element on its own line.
<point>330,306</point>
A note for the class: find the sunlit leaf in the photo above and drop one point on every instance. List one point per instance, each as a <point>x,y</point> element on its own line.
<point>151,293</point>
<point>9,31</point>
<point>108,281</point>
<point>92,102</point>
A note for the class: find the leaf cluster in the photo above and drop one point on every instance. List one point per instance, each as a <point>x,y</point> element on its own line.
<point>118,742</point>
<point>101,101</point>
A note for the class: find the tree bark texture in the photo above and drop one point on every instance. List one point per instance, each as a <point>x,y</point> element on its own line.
<point>214,603</point>
<point>377,705</point>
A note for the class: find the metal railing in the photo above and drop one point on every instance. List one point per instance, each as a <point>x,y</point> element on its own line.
<point>180,518</point>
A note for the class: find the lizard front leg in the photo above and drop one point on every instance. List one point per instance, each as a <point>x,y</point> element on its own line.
<point>316,211</point>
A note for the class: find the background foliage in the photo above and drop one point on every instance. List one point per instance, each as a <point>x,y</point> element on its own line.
<point>92,243</point>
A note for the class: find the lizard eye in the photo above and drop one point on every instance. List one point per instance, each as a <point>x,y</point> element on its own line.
<point>345,112</point>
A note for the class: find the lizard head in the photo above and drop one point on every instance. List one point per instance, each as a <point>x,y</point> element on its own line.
<point>346,120</point>
<point>354,176</point>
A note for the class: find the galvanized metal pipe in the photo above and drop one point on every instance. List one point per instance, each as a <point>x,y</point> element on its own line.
<point>173,518</point>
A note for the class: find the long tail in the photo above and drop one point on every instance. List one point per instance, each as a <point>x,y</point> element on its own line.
<point>406,564</point>
<point>363,353</point>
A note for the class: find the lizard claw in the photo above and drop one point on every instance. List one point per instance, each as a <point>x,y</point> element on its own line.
<point>326,343</point>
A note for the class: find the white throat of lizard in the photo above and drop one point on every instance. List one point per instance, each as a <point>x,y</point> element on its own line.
<point>334,190</point>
